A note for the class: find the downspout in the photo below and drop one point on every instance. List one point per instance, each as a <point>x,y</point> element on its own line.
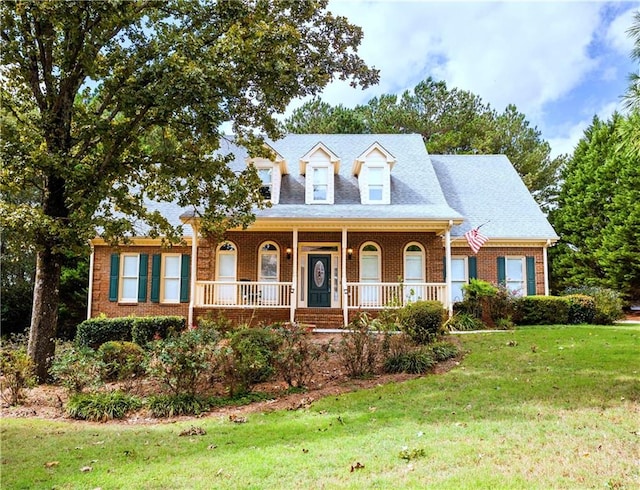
<point>194,272</point>
<point>447,251</point>
<point>345,297</point>
<point>294,277</point>
<point>545,263</point>
<point>90,289</point>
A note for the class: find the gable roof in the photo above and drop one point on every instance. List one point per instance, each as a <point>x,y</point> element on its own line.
<point>487,189</point>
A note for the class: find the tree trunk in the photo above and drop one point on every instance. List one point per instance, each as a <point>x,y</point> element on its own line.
<point>44,318</point>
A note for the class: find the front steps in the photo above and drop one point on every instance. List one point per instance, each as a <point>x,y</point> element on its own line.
<point>324,318</point>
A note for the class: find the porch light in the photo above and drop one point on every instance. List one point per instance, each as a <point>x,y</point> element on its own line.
<point>288,252</point>
<point>349,253</point>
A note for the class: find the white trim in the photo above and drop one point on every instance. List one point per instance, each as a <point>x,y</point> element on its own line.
<point>90,289</point>
<point>545,262</point>
<point>194,272</point>
<point>447,266</point>
<point>163,278</point>
<point>121,278</point>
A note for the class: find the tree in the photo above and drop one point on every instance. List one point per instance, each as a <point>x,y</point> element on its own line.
<point>632,97</point>
<point>451,121</point>
<point>598,216</point>
<point>108,104</point>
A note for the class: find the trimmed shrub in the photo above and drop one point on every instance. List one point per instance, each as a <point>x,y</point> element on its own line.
<point>180,363</point>
<point>122,360</point>
<point>94,332</point>
<point>423,320</point>
<point>608,303</point>
<point>443,351</point>
<point>541,310</point>
<point>147,329</point>
<point>100,407</point>
<point>582,308</point>
<point>77,368</point>
<point>418,361</point>
<point>251,358</point>
<point>17,373</point>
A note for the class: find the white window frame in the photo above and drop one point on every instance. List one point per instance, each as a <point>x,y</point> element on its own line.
<point>264,168</point>
<point>521,290</point>
<point>227,294</point>
<point>311,174</point>
<point>164,279</point>
<point>371,171</point>
<point>462,282</point>
<point>414,293</point>
<point>369,295</point>
<point>123,278</point>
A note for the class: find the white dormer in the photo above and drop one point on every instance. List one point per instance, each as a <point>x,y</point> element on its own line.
<point>270,173</point>
<point>373,169</point>
<point>319,165</point>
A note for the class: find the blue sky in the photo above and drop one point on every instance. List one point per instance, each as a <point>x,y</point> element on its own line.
<point>559,62</point>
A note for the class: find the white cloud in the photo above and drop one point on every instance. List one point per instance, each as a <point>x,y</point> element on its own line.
<point>617,35</point>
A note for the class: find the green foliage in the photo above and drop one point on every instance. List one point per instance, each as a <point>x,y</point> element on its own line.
<point>464,322</point>
<point>77,368</point>
<point>607,302</point>
<point>582,308</point>
<point>121,360</point>
<point>176,404</point>
<point>597,214</point>
<point>101,406</point>
<point>423,320</point>
<point>298,357</point>
<point>251,359</point>
<point>181,362</point>
<point>541,310</point>
<point>16,373</point>
<point>147,329</point>
<point>94,332</point>
<point>443,351</point>
<point>486,302</point>
<point>359,348</point>
<point>411,454</point>
<point>217,322</point>
<point>417,361</point>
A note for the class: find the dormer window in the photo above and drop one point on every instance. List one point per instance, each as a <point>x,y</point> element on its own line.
<point>270,173</point>
<point>373,169</point>
<point>266,175</point>
<point>319,166</point>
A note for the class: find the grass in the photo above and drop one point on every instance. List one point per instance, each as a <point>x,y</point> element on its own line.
<point>535,408</point>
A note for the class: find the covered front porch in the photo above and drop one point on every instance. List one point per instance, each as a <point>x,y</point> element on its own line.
<point>286,271</point>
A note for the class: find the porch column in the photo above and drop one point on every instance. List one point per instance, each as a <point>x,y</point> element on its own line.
<point>294,277</point>
<point>345,297</point>
<point>546,267</point>
<point>447,251</point>
<point>194,272</point>
<point>90,291</point>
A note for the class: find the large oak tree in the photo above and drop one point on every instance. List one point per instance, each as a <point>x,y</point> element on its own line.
<point>107,104</point>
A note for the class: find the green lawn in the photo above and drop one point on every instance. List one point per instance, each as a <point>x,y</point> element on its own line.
<point>539,407</point>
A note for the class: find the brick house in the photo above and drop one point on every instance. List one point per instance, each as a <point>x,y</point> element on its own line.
<point>357,222</point>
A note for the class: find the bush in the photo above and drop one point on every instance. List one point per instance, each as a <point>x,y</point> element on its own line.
<point>17,373</point>
<point>418,361</point>
<point>486,302</point>
<point>94,332</point>
<point>250,359</point>
<point>297,355</point>
<point>77,368</point>
<point>147,329</point>
<point>423,320</point>
<point>443,351</point>
<point>176,405</point>
<point>464,322</point>
<point>608,303</point>
<point>582,308</point>
<point>181,362</point>
<point>359,348</point>
<point>100,407</point>
<point>541,310</point>
<point>121,360</point>
<point>219,323</point>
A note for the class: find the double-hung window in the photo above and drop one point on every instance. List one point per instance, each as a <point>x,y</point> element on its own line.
<point>375,176</point>
<point>459,277</point>
<point>171,278</point>
<point>266,177</point>
<point>129,275</point>
<point>320,176</point>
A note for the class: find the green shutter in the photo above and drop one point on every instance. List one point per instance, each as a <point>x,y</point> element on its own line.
<point>473,268</point>
<point>531,276</point>
<point>502,271</point>
<point>143,272</point>
<point>155,278</point>
<point>185,267</point>
<point>113,277</point>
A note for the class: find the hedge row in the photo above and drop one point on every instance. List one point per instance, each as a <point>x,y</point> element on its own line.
<point>96,331</point>
<point>553,310</point>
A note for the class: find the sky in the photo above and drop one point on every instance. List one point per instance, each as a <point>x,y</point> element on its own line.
<point>559,62</point>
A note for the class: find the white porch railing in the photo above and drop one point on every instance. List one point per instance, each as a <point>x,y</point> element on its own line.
<point>393,294</point>
<point>238,294</point>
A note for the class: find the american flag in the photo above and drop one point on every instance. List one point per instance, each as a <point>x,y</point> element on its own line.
<point>475,239</point>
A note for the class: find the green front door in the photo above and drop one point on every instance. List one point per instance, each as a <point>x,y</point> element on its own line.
<point>319,267</point>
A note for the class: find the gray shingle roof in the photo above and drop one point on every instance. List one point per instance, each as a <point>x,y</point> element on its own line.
<point>486,188</point>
